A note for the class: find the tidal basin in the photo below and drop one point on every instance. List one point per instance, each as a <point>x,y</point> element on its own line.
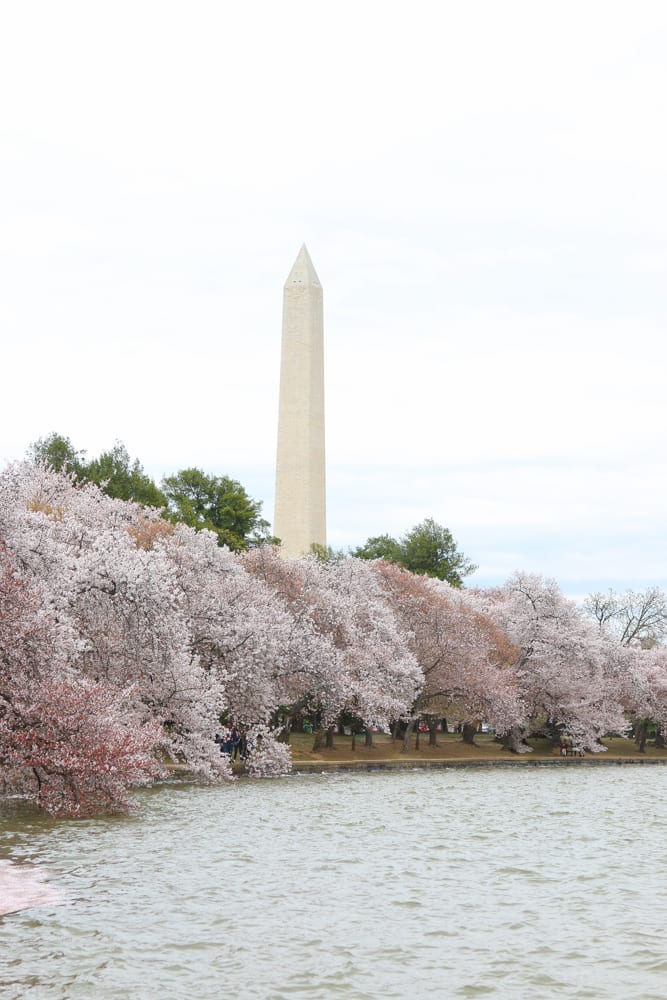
<point>484,882</point>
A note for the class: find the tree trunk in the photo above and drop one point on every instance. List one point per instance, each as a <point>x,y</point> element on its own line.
<point>417,735</point>
<point>330,738</point>
<point>514,740</point>
<point>660,738</point>
<point>641,732</point>
<point>369,738</point>
<point>317,742</point>
<point>554,734</point>
<point>407,735</point>
<point>444,726</point>
<point>432,730</point>
<point>469,730</point>
<point>395,728</point>
<point>354,741</point>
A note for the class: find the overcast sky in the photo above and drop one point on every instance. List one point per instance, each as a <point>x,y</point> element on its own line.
<point>482,189</point>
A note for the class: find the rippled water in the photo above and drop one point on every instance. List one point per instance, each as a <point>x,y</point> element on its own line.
<point>521,883</point>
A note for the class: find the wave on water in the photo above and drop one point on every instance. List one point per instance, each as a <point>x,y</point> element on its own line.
<point>22,886</point>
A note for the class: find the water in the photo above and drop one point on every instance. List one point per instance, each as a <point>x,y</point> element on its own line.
<point>518,883</point>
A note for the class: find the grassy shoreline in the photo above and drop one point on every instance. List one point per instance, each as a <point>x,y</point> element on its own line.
<point>386,754</point>
<point>450,747</point>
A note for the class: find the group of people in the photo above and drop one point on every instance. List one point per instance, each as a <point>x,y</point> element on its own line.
<point>233,741</point>
<point>569,748</point>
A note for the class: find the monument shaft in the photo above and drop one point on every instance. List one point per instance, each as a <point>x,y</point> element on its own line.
<point>300,501</point>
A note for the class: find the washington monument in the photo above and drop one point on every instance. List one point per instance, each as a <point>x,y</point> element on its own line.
<point>300,510</point>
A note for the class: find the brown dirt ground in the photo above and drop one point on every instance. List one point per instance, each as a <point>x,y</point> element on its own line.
<point>451,750</point>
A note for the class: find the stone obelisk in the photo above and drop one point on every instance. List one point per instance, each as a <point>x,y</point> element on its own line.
<point>300,503</point>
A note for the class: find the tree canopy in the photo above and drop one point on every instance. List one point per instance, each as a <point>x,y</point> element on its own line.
<point>427,549</point>
<point>125,637</point>
<point>381,547</point>
<point>120,477</point>
<point>190,496</point>
<point>217,503</point>
<point>58,452</point>
<point>113,471</point>
<point>637,617</point>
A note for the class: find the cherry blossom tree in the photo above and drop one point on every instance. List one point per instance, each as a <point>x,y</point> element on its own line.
<point>637,620</point>
<point>563,666</point>
<point>159,610</point>
<point>240,631</point>
<point>65,742</point>
<point>314,678</point>
<point>381,671</point>
<point>125,639</point>
<point>646,693</point>
<point>267,756</point>
<point>109,574</point>
<point>367,669</point>
<point>81,745</point>
<point>464,656</point>
<point>640,675</point>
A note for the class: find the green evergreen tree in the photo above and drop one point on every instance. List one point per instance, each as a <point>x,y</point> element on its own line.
<point>380,547</point>
<point>58,452</point>
<point>120,477</point>
<point>114,471</point>
<point>190,496</point>
<point>217,503</point>
<point>428,549</point>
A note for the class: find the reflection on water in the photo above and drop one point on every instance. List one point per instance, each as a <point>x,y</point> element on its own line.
<point>495,882</point>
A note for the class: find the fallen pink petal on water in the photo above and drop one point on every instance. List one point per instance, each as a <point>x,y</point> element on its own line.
<point>22,887</point>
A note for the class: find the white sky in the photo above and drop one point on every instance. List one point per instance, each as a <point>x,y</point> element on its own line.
<point>482,188</point>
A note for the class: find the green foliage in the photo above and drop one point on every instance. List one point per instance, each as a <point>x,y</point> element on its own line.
<point>114,472</point>
<point>59,453</point>
<point>326,553</point>
<point>217,503</point>
<point>381,547</point>
<point>119,477</point>
<point>428,549</point>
